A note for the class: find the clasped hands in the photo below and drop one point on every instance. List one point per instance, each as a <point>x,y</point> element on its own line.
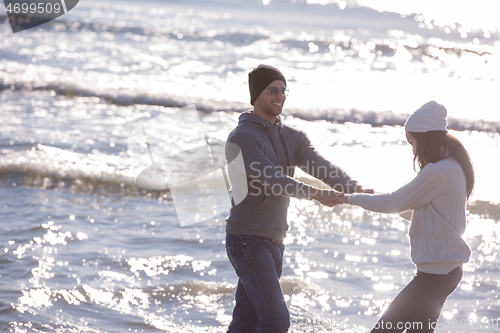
<point>333,198</point>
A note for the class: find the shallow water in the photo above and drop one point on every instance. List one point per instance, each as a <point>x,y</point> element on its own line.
<point>86,250</point>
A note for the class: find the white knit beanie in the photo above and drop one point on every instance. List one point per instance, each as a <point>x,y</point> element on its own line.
<point>429,117</point>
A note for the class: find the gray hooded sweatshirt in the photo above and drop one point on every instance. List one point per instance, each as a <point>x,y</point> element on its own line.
<point>270,154</point>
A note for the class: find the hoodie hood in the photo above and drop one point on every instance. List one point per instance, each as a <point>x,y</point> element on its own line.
<point>253,118</point>
<point>274,132</point>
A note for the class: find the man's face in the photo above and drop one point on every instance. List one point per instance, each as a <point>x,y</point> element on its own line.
<point>270,106</point>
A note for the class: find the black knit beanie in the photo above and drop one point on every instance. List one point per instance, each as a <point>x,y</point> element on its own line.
<point>260,77</point>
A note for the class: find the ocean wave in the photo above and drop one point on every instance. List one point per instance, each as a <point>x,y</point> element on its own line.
<point>48,167</point>
<point>348,41</point>
<point>121,97</point>
<point>165,32</point>
<point>335,115</point>
<point>485,209</point>
<point>387,118</point>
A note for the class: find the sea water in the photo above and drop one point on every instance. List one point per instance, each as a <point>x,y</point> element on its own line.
<point>85,249</point>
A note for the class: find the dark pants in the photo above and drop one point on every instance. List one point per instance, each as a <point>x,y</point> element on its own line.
<point>418,306</point>
<point>260,305</point>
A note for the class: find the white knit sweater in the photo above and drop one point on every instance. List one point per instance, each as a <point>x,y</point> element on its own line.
<point>437,198</point>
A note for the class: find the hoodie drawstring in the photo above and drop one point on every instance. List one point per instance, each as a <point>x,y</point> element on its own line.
<point>283,141</point>
<point>282,137</point>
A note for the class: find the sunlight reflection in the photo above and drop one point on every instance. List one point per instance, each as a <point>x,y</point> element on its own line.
<point>157,265</point>
<point>100,296</point>
<point>447,315</point>
<point>352,258</point>
<point>318,275</point>
<point>35,298</point>
<point>341,303</point>
<point>115,276</point>
<point>132,295</point>
<point>302,301</point>
<point>383,286</point>
<point>72,297</point>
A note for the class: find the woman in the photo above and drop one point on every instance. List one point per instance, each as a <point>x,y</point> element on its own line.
<point>437,198</point>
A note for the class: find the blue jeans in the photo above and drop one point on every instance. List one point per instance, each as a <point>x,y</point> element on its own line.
<point>260,305</point>
<point>418,306</point>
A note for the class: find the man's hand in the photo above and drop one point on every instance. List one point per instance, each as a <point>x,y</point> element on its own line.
<point>360,189</point>
<point>325,197</point>
<point>343,198</point>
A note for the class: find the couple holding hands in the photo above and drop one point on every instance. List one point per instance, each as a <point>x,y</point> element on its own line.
<point>256,227</point>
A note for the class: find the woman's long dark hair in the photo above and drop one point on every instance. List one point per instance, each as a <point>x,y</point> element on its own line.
<point>433,146</point>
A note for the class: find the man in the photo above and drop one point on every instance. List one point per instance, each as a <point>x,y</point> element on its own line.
<point>257,225</point>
